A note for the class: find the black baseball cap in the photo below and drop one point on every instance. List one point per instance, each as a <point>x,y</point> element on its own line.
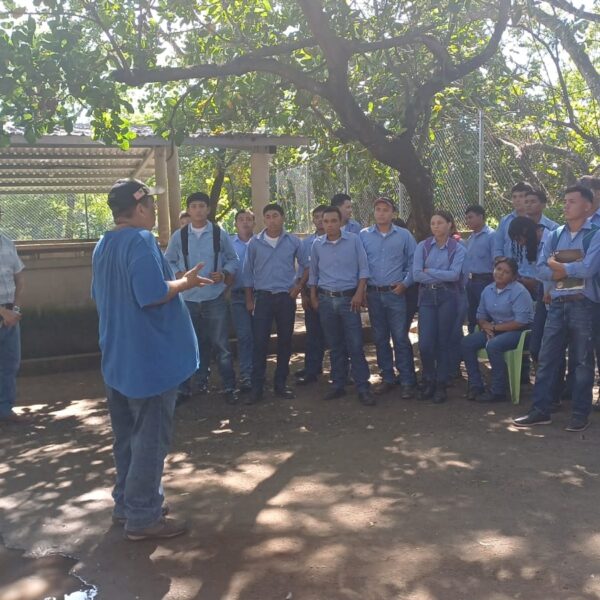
<point>126,193</point>
<point>385,200</point>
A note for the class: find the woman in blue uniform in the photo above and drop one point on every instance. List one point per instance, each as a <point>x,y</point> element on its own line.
<point>504,311</point>
<point>437,266</point>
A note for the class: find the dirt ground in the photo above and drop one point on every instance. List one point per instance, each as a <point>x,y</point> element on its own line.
<point>307,500</point>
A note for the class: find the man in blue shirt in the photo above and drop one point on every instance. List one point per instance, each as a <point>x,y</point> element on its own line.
<point>390,251</point>
<point>479,261</point>
<point>344,203</point>
<point>338,278</point>
<point>272,286</point>
<point>11,290</point>
<point>570,259</point>
<point>315,338</point>
<point>148,348</point>
<point>208,306</point>
<point>502,243</point>
<point>535,204</point>
<point>241,318</point>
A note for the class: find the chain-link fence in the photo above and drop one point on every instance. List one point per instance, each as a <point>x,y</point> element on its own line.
<point>54,216</point>
<point>467,164</point>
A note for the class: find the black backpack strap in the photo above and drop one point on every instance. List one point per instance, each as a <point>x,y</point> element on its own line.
<point>185,233</point>
<point>216,245</point>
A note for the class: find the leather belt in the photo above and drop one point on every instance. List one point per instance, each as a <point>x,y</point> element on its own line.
<point>569,298</point>
<point>485,276</point>
<point>433,286</point>
<point>343,294</point>
<point>9,305</point>
<point>380,288</point>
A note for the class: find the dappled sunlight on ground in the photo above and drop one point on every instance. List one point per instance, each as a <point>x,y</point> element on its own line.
<point>308,500</point>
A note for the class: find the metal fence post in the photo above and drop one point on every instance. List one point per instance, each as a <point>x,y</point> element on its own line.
<point>481,158</point>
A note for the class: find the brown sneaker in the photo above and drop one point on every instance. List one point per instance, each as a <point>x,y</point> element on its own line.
<point>166,509</point>
<point>166,527</point>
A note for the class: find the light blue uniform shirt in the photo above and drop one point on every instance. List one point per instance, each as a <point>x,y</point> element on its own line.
<point>147,348</point>
<point>352,226</point>
<point>586,269</point>
<point>240,248</point>
<point>513,303</point>
<point>480,252</point>
<point>547,223</point>
<point>304,256</point>
<point>337,266</point>
<point>200,250</point>
<point>595,218</point>
<point>438,265</point>
<point>503,243</point>
<point>390,256</point>
<point>271,269</point>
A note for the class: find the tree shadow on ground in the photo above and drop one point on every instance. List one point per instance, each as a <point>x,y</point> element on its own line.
<point>311,501</point>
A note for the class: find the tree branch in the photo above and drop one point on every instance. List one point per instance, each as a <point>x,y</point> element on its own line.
<point>578,12</point>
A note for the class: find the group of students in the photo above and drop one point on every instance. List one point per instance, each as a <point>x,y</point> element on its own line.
<point>529,274</point>
<point>500,282</point>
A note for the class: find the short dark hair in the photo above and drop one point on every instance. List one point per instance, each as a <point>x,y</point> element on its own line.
<point>475,208</point>
<point>339,199</point>
<point>319,209</point>
<point>521,186</point>
<point>445,215</point>
<point>590,181</point>
<point>333,209</point>
<point>274,206</point>
<point>399,222</point>
<point>243,211</point>
<point>539,194</point>
<point>511,262</point>
<point>584,191</point>
<point>197,197</point>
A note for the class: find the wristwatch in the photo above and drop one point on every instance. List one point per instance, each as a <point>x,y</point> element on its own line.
<point>16,309</point>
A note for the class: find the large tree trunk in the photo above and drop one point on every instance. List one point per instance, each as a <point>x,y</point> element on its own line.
<point>215,190</point>
<point>400,154</point>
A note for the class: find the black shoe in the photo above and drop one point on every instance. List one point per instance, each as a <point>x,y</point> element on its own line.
<point>473,392</point>
<point>366,398</point>
<point>300,373</point>
<point>488,398</point>
<point>335,394</point>
<point>427,391</point>
<point>533,417</point>
<point>284,393</point>
<point>384,388</point>
<point>556,406</point>
<point>231,397</point>
<point>439,396</point>
<point>245,387</point>
<point>578,423</point>
<point>306,380</point>
<point>408,391</point>
<point>255,397</point>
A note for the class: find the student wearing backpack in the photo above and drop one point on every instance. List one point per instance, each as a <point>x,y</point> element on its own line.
<point>205,242</point>
<point>570,259</point>
<point>437,266</point>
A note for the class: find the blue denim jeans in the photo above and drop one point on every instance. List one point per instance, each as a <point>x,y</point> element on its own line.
<point>567,324</point>
<point>474,288</point>
<point>280,308</point>
<point>343,332</point>
<point>10,360</point>
<point>495,347</point>
<point>456,357</point>
<point>142,429</point>
<point>438,309</point>
<point>211,324</point>
<point>315,343</point>
<point>242,323</point>
<point>387,313</point>
<point>537,329</point>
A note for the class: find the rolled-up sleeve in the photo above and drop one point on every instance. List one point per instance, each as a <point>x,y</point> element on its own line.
<point>523,308</point>
<point>363,261</point>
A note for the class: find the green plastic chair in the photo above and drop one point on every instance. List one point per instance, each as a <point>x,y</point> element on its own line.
<point>514,363</point>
